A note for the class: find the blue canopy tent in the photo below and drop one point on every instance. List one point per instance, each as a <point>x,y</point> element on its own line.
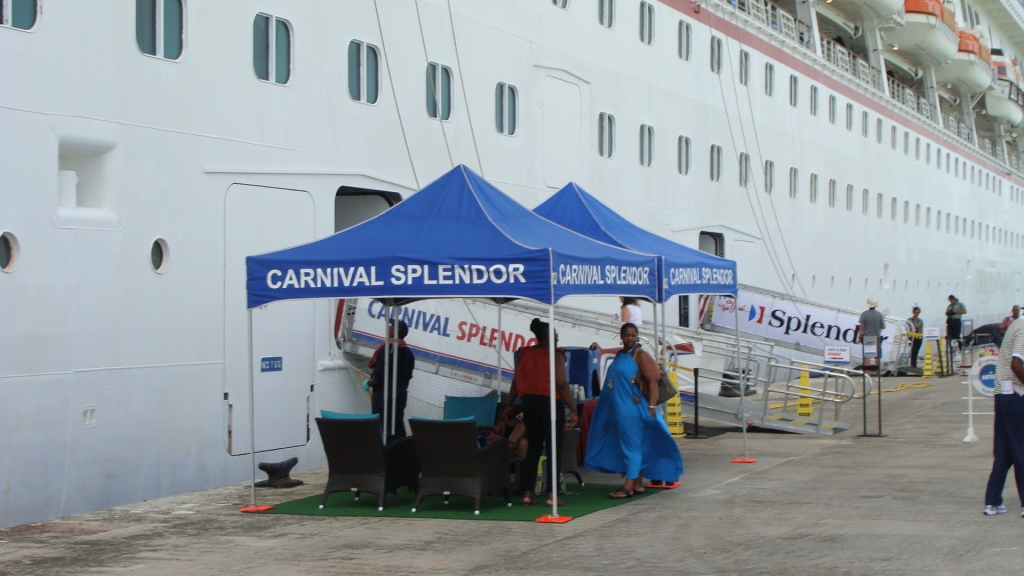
<point>681,270</point>
<point>458,237</point>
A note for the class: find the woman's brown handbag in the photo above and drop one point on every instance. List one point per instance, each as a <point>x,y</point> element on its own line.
<point>666,390</point>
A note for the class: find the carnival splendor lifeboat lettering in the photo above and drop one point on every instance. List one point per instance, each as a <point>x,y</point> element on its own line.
<point>1004,102</point>
<point>970,68</point>
<point>928,35</point>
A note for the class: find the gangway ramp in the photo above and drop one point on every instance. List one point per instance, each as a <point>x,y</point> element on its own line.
<point>716,355</point>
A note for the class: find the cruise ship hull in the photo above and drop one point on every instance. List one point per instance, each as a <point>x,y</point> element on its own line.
<point>124,368</point>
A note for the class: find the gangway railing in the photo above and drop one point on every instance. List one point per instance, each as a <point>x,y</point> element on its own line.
<point>838,386</point>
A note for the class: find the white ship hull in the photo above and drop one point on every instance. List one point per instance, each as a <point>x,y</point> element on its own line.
<point>119,383</point>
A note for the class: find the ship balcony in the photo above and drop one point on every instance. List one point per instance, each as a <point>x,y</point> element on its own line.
<point>1004,103</point>
<point>775,19</point>
<point>928,36</point>
<point>969,69</point>
<point>911,100</point>
<point>956,128</point>
<point>842,59</point>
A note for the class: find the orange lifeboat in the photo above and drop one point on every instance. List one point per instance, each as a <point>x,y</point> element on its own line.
<point>970,68</point>
<point>928,36</point>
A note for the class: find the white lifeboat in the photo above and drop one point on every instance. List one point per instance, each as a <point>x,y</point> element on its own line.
<point>1004,102</point>
<point>928,36</point>
<point>970,68</point>
<point>873,9</point>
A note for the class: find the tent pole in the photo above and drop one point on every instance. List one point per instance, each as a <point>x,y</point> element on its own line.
<point>394,370</point>
<point>664,334</point>
<point>252,422</point>
<point>553,460</point>
<point>387,368</point>
<point>497,372</point>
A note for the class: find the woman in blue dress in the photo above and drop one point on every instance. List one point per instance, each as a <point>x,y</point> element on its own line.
<point>627,434</point>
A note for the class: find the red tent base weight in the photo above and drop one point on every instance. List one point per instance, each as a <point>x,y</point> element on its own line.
<point>255,508</point>
<point>549,519</point>
<point>744,460</point>
<point>665,486</point>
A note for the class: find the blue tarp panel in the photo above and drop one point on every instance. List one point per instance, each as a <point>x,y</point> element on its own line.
<point>681,270</point>
<point>458,237</point>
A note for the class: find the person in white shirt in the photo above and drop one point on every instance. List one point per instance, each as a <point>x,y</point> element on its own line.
<point>630,311</point>
<point>1008,441</point>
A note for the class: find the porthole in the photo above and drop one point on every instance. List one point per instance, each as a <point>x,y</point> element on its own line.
<point>8,252</point>
<point>158,255</point>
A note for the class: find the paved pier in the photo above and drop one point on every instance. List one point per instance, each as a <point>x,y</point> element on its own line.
<point>907,504</point>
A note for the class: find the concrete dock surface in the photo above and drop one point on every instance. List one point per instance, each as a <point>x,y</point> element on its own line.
<point>910,503</point>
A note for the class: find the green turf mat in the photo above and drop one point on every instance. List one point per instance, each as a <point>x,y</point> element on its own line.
<point>580,501</point>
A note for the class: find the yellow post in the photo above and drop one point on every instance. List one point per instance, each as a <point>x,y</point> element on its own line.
<point>929,371</point>
<point>804,408</point>
<point>674,410</point>
<point>942,356</point>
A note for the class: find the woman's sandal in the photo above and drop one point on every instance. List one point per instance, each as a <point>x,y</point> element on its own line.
<point>639,490</point>
<point>560,503</point>
<point>528,498</point>
<point>620,494</point>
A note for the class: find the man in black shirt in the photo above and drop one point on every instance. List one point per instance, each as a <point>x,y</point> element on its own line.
<point>399,394</point>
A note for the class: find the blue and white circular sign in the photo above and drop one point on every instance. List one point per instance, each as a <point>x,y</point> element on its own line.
<point>983,375</point>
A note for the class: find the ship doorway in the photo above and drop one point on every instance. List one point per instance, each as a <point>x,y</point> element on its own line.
<point>563,132</point>
<point>259,219</point>
<point>354,206</point>
<point>712,243</point>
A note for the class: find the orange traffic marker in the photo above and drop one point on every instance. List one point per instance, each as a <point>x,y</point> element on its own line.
<point>665,486</point>
<point>255,508</point>
<point>744,460</point>
<point>549,519</point>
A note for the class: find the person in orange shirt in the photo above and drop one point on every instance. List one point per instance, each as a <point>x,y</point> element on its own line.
<point>532,383</point>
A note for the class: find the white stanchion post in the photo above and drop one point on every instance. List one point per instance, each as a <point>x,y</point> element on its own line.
<point>742,382</point>
<point>971,436</point>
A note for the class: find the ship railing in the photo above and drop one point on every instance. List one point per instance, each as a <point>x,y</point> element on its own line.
<point>776,19</point>
<point>956,128</point>
<point>853,66</point>
<point>990,148</point>
<point>911,100</point>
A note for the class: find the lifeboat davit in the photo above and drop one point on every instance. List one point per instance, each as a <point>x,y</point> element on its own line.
<point>970,68</point>
<point>928,36</point>
<point>1004,102</point>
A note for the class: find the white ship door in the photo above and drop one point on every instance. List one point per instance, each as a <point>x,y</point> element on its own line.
<point>563,132</point>
<point>258,220</point>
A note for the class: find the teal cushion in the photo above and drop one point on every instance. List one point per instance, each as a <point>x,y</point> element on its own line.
<point>482,408</point>
<point>341,416</point>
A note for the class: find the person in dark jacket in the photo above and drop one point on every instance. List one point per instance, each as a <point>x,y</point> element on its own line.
<point>398,396</point>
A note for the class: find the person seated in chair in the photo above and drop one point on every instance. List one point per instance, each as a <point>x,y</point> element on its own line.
<point>399,395</point>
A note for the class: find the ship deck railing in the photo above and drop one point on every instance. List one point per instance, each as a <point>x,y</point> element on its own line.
<point>775,19</point>
<point>770,16</point>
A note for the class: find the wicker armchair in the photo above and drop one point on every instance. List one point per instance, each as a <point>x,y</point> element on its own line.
<point>357,462</point>
<point>452,463</point>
